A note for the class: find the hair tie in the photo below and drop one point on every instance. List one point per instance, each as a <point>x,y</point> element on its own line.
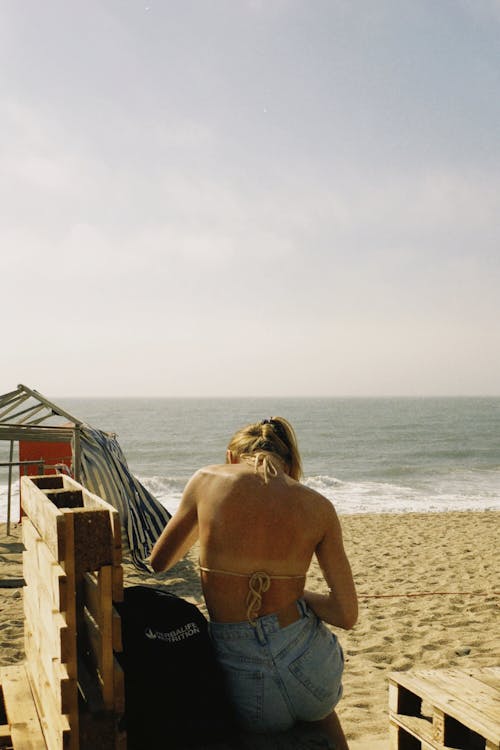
<point>277,427</point>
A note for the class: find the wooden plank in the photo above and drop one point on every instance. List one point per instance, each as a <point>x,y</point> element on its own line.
<point>102,654</point>
<point>399,740</point>
<point>116,530</point>
<point>56,675</point>
<point>117,583</point>
<point>417,727</point>
<point>92,538</point>
<point>441,688</point>
<point>48,605</point>
<point>117,632</point>
<point>489,675</point>
<point>45,517</point>
<point>103,627</point>
<point>470,689</point>
<point>58,733</point>
<point>438,726</point>
<point>68,690</point>
<point>98,600</point>
<point>91,595</point>
<point>24,726</point>
<point>40,566</point>
<point>474,704</point>
<point>51,633</point>
<point>90,694</point>
<point>101,639</point>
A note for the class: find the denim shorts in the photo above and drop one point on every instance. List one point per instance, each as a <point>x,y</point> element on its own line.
<point>278,676</point>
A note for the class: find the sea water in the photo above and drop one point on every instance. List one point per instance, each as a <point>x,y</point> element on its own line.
<point>367,455</point>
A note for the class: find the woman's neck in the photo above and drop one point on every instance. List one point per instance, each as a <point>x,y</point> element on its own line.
<point>270,463</point>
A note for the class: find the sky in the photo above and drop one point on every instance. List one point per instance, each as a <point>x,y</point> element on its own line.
<point>250,197</point>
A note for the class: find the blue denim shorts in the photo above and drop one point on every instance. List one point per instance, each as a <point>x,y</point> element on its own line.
<point>278,676</point>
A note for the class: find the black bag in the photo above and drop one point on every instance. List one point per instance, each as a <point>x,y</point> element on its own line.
<point>174,689</point>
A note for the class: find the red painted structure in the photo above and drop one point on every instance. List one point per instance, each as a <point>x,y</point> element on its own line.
<point>49,452</point>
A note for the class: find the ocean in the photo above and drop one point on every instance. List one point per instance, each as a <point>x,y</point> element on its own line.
<point>367,455</point>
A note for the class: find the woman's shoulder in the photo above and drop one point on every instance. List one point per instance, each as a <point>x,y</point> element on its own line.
<point>315,499</point>
<point>210,472</point>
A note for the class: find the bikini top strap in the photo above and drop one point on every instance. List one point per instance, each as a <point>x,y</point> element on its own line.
<point>258,583</point>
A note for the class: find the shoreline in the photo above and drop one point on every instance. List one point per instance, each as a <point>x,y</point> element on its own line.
<point>427,584</point>
<point>341,514</point>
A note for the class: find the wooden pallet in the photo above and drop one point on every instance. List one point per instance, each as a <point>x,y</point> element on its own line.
<point>73,573</point>
<point>442,709</point>
<point>19,724</point>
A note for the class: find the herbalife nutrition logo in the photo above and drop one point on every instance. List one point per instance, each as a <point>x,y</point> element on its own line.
<point>173,636</point>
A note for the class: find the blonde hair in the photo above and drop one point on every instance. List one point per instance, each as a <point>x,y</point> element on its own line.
<point>274,435</point>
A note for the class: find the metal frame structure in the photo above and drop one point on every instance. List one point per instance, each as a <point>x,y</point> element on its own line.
<point>22,413</point>
<point>97,462</point>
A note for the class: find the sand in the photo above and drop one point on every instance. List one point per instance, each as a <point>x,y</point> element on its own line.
<point>429,591</point>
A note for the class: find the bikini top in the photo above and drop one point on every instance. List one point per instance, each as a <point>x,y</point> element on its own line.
<point>258,583</point>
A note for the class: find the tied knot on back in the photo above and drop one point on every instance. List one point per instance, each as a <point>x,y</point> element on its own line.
<point>258,584</point>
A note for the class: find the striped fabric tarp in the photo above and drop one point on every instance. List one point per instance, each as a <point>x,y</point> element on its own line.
<point>105,472</point>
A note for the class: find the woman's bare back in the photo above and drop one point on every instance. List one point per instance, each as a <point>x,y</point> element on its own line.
<point>248,525</point>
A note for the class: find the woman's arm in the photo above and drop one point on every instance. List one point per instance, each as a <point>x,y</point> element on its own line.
<point>179,534</point>
<point>340,606</point>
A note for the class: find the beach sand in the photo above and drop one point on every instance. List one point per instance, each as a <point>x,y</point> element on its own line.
<point>426,584</point>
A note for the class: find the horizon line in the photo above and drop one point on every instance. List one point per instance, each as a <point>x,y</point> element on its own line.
<point>288,397</point>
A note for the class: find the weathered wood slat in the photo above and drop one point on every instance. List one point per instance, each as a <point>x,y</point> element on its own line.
<point>117,583</point>
<point>99,624</point>
<point>480,698</point>
<point>464,704</point>
<point>45,517</point>
<point>51,634</point>
<point>40,567</point>
<point>92,538</point>
<point>23,728</point>
<point>489,675</point>
<point>442,689</point>
<point>54,675</point>
<point>91,596</point>
<point>398,737</point>
<point>55,725</point>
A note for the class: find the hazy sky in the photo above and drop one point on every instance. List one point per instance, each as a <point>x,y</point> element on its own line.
<point>250,197</point>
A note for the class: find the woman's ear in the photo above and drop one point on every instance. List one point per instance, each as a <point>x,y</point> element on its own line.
<point>231,457</point>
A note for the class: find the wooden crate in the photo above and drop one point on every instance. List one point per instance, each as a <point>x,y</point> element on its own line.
<point>448,708</point>
<point>73,573</point>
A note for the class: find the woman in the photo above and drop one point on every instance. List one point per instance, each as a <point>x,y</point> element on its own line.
<point>258,529</point>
